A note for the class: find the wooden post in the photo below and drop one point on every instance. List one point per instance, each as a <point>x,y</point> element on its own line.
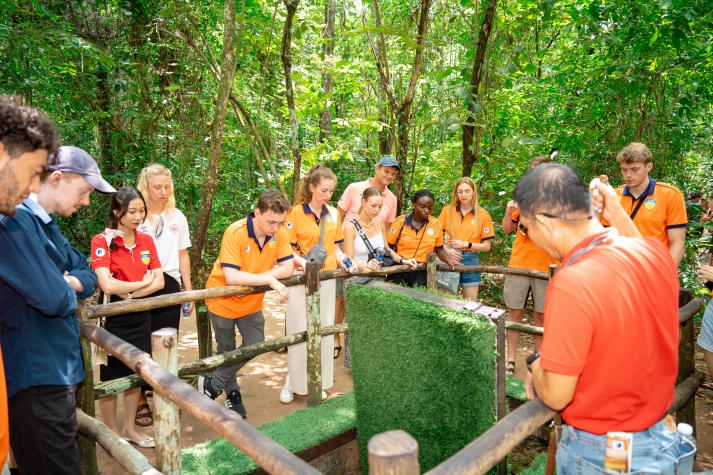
<point>314,337</point>
<point>85,401</point>
<point>393,453</point>
<point>500,393</point>
<point>431,272</point>
<point>686,367</point>
<point>167,423</point>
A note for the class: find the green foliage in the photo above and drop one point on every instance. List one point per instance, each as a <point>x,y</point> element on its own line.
<point>405,353</point>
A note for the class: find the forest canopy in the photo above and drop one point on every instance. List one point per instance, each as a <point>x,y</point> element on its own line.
<point>238,97</point>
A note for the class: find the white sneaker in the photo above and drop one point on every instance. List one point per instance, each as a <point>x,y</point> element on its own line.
<point>286,395</point>
<point>324,395</point>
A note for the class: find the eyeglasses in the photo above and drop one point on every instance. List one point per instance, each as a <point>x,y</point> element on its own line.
<point>159,226</point>
<point>524,228</point>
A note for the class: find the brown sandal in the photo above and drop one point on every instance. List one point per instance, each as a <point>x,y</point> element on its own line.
<point>144,417</point>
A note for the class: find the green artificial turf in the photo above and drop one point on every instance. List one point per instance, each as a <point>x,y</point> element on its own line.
<point>515,388</point>
<point>421,368</point>
<point>296,432</point>
<point>538,466</point>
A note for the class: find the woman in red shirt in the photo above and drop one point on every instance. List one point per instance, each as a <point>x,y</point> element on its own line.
<point>127,266</point>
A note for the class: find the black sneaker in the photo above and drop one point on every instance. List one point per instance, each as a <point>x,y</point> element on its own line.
<point>234,401</point>
<point>205,388</point>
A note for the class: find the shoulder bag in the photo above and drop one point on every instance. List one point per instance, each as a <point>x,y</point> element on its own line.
<point>318,253</point>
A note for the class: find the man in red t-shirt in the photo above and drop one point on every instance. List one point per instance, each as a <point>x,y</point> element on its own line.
<point>608,290</point>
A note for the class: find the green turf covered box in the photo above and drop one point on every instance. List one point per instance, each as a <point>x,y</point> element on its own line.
<point>421,368</point>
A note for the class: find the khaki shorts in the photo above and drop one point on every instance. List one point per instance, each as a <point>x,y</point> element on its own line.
<point>516,288</point>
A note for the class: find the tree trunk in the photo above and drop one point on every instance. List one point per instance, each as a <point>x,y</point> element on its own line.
<point>325,118</point>
<point>227,75</point>
<point>486,29</point>
<point>291,6</point>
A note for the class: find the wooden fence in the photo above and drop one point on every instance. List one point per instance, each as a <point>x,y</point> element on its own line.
<point>478,457</point>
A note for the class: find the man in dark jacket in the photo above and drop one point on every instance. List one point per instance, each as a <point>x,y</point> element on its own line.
<point>39,278</point>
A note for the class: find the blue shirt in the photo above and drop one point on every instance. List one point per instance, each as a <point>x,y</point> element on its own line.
<point>39,332</point>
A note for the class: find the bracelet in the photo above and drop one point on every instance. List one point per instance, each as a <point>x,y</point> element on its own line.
<point>401,260</point>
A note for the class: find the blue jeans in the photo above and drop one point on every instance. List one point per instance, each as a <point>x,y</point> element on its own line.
<point>470,279</point>
<point>655,450</point>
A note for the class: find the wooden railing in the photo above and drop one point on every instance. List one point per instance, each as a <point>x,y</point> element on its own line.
<point>482,454</point>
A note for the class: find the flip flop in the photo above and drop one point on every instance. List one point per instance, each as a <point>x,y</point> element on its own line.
<point>143,414</point>
<point>337,349</point>
<point>149,443</point>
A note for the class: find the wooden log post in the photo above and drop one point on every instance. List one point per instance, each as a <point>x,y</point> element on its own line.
<point>393,453</point>
<point>85,401</point>
<point>686,367</point>
<point>431,272</point>
<point>167,423</point>
<point>314,337</point>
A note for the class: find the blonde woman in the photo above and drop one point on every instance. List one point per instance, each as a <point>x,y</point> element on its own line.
<point>303,227</point>
<point>373,229</point>
<point>169,228</point>
<point>469,230</point>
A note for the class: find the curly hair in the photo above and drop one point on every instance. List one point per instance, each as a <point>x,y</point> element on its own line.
<point>25,129</point>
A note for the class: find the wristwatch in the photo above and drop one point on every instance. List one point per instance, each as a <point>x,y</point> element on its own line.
<point>531,359</point>
<point>470,245</point>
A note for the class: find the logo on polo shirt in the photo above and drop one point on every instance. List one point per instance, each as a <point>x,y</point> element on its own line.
<point>650,203</point>
<point>486,230</point>
<point>273,242</point>
<point>289,224</point>
<point>393,230</point>
<point>430,231</point>
<point>145,257</point>
<point>330,218</point>
<point>247,248</point>
<point>100,252</point>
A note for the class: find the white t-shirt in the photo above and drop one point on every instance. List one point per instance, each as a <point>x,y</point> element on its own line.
<point>361,252</point>
<point>171,235</point>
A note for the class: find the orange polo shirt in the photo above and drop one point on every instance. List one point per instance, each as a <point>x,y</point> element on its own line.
<point>416,243</point>
<point>469,228</point>
<point>525,253</point>
<point>664,208</point>
<point>303,229</point>
<point>241,250</point>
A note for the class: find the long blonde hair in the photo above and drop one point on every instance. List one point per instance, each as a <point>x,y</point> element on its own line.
<point>455,201</point>
<point>314,176</point>
<point>156,169</point>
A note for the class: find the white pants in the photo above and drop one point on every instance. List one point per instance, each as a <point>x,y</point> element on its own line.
<point>296,321</point>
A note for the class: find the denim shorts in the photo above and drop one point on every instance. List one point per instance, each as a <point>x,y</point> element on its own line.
<point>470,279</point>
<point>705,338</point>
<point>656,450</point>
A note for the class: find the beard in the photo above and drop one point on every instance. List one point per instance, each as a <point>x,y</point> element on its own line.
<point>9,191</point>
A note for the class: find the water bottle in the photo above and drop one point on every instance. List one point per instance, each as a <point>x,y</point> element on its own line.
<point>686,447</point>
<point>379,255</point>
<point>186,309</point>
<point>349,265</point>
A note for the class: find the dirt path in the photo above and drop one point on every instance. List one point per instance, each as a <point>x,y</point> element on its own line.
<point>262,378</point>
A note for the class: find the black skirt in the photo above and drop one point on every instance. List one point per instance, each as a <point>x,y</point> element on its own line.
<point>166,317</point>
<point>133,328</point>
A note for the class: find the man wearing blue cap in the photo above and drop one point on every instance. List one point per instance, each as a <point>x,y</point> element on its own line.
<point>38,324</point>
<point>348,205</point>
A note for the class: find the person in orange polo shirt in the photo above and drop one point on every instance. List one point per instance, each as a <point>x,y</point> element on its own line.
<point>469,230</point>
<point>248,253</point>
<point>524,255</point>
<point>416,235</point>
<point>310,213</point>
<point>658,209</point>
